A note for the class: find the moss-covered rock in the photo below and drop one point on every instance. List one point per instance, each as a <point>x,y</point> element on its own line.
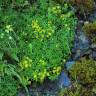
<point>75,90</point>
<point>84,6</point>
<point>90,31</point>
<point>84,71</point>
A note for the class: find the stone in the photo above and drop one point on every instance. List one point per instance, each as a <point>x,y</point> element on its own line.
<point>69,64</point>
<point>64,80</point>
<point>93,55</point>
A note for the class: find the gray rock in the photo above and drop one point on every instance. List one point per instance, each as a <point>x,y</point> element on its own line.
<point>69,64</point>
<point>93,55</point>
<point>64,80</point>
<point>93,46</point>
<point>92,16</point>
<point>81,45</point>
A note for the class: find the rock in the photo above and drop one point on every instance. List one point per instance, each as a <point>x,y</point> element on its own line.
<point>92,17</point>
<point>47,88</point>
<point>69,64</point>
<point>93,46</point>
<point>21,93</point>
<point>93,55</point>
<point>64,80</point>
<point>81,45</point>
<point>83,42</point>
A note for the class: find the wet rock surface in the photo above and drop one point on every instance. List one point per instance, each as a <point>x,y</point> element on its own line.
<point>63,80</point>
<point>92,17</point>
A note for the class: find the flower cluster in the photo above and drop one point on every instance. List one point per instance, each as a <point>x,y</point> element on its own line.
<point>8,28</point>
<point>26,62</point>
<point>54,73</point>
<point>57,70</point>
<point>42,32</point>
<point>55,9</point>
<point>38,30</point>
<point>42,72</point>
<point>40,76</point>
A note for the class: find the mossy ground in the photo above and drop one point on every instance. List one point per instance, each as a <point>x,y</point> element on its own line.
<point>83,75</point>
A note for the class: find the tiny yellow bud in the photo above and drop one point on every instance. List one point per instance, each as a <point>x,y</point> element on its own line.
<point>29,82</point>
<point>26,65</point>
<point>48,74</point>
<point>54,71</point>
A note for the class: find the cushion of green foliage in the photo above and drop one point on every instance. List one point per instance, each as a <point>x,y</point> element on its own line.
<point>39,38</point>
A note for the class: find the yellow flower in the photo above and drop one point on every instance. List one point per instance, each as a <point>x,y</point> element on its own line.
<point>35,24</point>
<point>48,74</point>
<point>45,71</point>
<point>26,65</point>
<point>25,62</point>
<point>66,25</point>
<point>35,76</point>
<point>58,7</point>
<point>9,28</point>
<point>54,67</point>
<point>54,8</point>
<point>49,34</point>
<point>59,69</point>
<point>29,82</point>
<point>64,60</point>
<point>42,77</point>
<point>54,71</point>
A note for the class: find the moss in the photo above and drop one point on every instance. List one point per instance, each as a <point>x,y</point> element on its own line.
<point>83,74</point>
<point>94,89</point>
<point>90,30</point>
<point>84,6</point>
<point>75,90</point>
<point>84,71</point>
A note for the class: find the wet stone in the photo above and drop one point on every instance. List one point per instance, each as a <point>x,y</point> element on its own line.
<point>69,64</point>
<point>64,80</point>
<point>81,45</point>
<point>93,55</point>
